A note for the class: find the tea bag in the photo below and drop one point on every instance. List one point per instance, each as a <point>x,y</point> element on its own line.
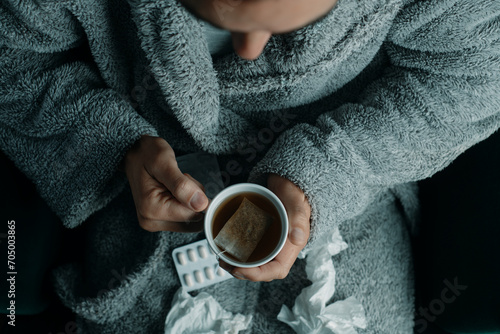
<point>243,231</point>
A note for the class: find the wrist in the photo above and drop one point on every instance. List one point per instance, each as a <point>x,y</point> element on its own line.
<point>129,155</point>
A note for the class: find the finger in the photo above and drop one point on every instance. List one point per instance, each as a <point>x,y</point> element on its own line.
<point>300,225</point>
<point>158,204</point>
<point>185,227</point>
<point>202,188</point>
<point>198,183</point>
<point>278,268</point>
<point>225,266</point>
<point>297,208</point>
<point>183,188</point>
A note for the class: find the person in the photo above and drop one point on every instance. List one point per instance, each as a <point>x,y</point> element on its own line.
<point>338,107</point>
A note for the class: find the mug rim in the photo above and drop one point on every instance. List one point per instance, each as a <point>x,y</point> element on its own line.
<point>235,190</point>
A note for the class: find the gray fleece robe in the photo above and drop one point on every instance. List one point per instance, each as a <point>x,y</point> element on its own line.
<point>353,109</point>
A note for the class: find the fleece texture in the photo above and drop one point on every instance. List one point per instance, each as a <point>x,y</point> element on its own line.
<point>353,109</point>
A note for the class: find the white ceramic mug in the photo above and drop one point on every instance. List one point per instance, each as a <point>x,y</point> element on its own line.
<point>233,191</point>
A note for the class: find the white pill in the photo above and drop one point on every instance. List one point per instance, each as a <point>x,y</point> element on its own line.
<point>203,252</point>
<point>209,273</point>
<point>220,271</point>
<point>191,255</point>
<point>198,276</point>
<point>181,258</point>
<point>188,280</point>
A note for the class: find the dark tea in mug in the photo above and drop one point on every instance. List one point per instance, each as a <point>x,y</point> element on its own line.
<point>271,236</point>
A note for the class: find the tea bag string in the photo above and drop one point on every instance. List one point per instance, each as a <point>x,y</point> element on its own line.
<point>217,257</point>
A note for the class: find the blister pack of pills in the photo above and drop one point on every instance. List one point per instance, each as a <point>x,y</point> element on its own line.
<point>197,266</point>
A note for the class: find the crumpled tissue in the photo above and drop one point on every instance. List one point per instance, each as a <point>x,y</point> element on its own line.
<point>310,315</point>
<point>202,315</point>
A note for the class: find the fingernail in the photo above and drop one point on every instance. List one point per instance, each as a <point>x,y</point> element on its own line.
<point>297,236</point>
<point>198,201</point>
<point>238,275</point>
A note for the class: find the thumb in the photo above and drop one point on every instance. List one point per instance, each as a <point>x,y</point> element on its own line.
<point>297,208</point>
<point>183,188</point>
<point>299,224</point>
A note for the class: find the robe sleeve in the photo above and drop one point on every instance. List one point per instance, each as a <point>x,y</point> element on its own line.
<point>60,124</point>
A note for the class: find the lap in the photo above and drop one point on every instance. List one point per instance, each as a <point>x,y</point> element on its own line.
<point>377,269</point>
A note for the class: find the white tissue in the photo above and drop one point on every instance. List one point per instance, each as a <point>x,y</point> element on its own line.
<point>202,315</point>
<point>310,315</point>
